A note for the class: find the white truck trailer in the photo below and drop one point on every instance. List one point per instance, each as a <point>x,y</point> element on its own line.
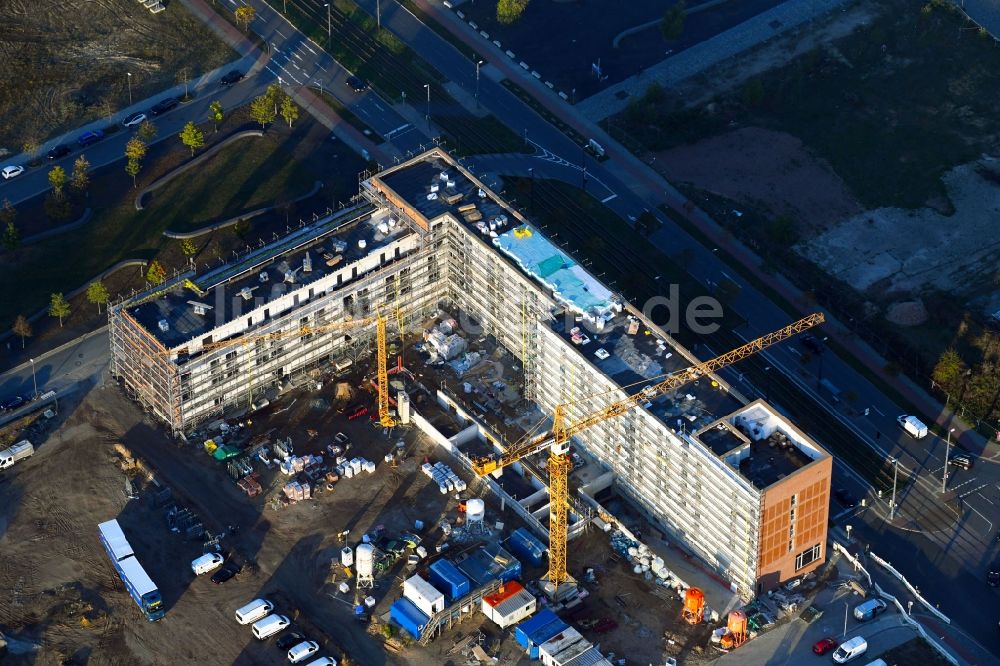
<point>19,451</point>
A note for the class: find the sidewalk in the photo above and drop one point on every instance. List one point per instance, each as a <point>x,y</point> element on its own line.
<point>650,186</point>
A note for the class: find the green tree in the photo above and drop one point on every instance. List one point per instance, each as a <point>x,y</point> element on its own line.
<point>275,95</point>
<point>30,147</point>
<point>147,131</point>
<point>289,110</point>
<point>97,294</point>
<point>646,223</point>
<point>22,328</point>
<point>188,248</point>
<point>261,111</point>
<point>672,23</point>
<point>135,149</point>
<point>11,237</point>
<point>949,370</point>
<point>132,168</point>
<point>245,16</point>
<point>156,273</point>
<point>59,308</point>
<point>216,114</point>
<point>192,137</point>
<point>57,179</point>
<point>80,179</point>
<point>509,11</point>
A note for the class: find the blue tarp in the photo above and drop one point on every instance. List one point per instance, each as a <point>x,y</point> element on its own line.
<point>409,617</point>
<point>524,544</point>
<point>446,577</point>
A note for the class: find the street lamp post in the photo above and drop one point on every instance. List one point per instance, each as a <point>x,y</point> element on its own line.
<point>848,528</point>
<point>947,453</point>
<point>129,88</point>
<point>767,371</point>
<point>845,619</point>
<point>895,473</point>
<point>329,32</point>
<point>428,114</point>
<point>34,382</point>
<point>478,63</point>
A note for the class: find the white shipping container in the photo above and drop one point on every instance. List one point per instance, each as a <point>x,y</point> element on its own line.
<point>424,596</point>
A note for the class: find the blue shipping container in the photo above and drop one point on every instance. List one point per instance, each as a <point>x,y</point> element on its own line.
<point>530,634</point>
<point>526,545</point>
<point>409,617</point>
<point>446,577</point>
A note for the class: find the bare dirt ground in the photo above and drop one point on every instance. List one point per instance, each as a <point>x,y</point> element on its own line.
<point>766,169</point>
<point>897,250</point>
<point>65,64</point>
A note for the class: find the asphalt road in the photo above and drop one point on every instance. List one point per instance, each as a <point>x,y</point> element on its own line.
<point>963,544</point>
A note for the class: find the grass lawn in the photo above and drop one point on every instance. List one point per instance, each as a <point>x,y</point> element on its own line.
<point>625,259</point>
<point>245,175</point>
<point>891,107</point>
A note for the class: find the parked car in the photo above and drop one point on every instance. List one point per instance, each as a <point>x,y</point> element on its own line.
<point>993,574</point>
<point>90,138</point>
<point>224,574</point>
<point>961,460</point>
<point>846,499</point>
<point>357,84</point>
<point>824,645</point>
<point>12,171</point>
<point>134,119</point>
<point>207,562</point>
<point>62,150</point>
<point>851,649</point>
<point>867,610</point>
<point>303,651</point>
<point>12,403</point>
<point>164,105</point>
<point>290,640</point>
<point>232,77</point>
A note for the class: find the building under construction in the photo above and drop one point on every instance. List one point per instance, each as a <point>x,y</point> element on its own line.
<point>739,484</point>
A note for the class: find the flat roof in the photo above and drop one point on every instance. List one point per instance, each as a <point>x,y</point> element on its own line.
<point>282,261</point>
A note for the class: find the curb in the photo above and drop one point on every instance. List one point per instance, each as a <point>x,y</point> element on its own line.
<point>167,177</point>
<point>317,186</point>
<point>49,233</point>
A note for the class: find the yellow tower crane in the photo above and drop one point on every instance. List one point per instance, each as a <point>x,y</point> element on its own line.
<point>384,417</point>
<point>558,439</point>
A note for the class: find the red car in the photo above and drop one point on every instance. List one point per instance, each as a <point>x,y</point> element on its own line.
<point>825,645</point>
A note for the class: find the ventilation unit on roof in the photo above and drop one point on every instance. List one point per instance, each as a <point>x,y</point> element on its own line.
<point>199,307</point>
<point>164,325</point>
<point>338,245</point>
<point>263,277</point>
<point>307,263</point>
<point>247,293</point>
<point>290,275</point>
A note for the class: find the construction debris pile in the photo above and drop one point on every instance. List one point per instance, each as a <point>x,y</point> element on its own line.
<point>443,343</point>
<point>296,464</point>
<point>644,562</point>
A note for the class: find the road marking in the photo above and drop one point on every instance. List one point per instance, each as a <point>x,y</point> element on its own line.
<point>310,49</point>
<point>291,75</point>
<point>319,65</point>
<point>270,70</point>
<point>296,67</point>
<point>793,350</point>
<point>986,498</point>
<point>297,55</point>
<point>279,32</point>
<point>877,410</point>
<point>977,489</point>
<point>609,198</point>
<point>965,483</point>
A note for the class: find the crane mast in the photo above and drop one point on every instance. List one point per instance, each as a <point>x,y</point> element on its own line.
<point>558,439</point>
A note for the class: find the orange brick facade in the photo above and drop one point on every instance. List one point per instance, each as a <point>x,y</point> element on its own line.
<point>793,535</point>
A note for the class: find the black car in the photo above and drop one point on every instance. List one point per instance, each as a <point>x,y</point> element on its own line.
<point>232,77</point>
<point>961,461</point>
<point>224,574</point>
<point>62,150</point>
<point>357,84</point>
<point>812,344</point>
<point>164,105</point>
<point>845,498</point>
<point>12,403</point>
<point>289,640</point>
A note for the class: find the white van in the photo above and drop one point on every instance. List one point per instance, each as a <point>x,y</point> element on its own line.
<point>877,662</point>
<point>302,651</point>
<point>254,611</point>
<point>912,425</point>
<point>205,563</point>
<point>851,649</point>
<point>323,661</point>
<point>269,626</point>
